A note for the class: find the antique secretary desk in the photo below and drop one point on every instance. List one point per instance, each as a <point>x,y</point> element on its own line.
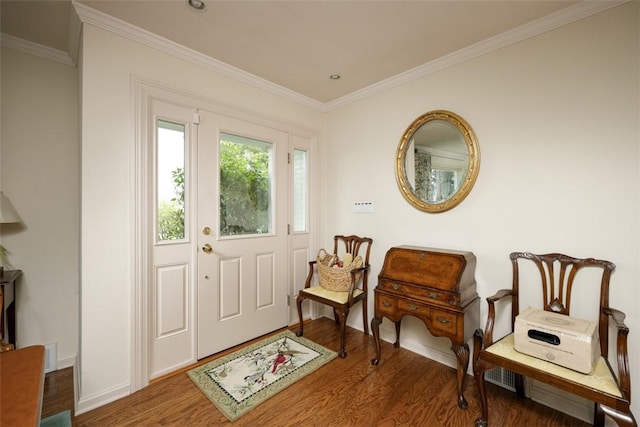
<point>438,287</point>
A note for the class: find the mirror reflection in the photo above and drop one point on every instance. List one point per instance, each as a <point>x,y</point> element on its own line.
<point>437,161</point>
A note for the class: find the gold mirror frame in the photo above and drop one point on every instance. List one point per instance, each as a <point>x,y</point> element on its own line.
<point>472,169</point>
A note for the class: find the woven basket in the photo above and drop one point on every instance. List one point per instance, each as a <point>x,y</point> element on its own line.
<point>332,277</point>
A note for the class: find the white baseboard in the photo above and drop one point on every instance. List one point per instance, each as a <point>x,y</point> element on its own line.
<point>88,403</point>
<point>65,363</point>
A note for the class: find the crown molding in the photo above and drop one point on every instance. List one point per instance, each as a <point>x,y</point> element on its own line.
<point>36,49</point>
<point>88,15</point>
<point>74,35</point>
<point>99,19</point>
<point>550,22</point>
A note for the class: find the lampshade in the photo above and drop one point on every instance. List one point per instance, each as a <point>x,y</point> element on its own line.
<point>8,213</point>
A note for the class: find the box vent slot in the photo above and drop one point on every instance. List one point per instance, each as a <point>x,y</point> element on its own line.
<point>501,377</point>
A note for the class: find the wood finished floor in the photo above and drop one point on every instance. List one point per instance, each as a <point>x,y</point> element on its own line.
<point>406,389</point>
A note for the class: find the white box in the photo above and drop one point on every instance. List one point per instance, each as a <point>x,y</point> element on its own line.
<point>560,339</point>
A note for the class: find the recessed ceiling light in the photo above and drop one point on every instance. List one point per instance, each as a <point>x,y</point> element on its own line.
<point>196,4</point>
<point>334,76</point>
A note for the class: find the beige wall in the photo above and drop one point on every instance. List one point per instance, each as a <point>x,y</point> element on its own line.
<point>556,118</point>
<point>40,174</point>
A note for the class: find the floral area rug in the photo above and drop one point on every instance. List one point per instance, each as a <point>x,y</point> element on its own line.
<point>240,381</point>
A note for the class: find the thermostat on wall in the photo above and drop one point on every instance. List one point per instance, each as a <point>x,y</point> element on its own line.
<point>363,207</point>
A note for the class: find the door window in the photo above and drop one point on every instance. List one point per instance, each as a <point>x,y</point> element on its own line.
<point>246,199</point>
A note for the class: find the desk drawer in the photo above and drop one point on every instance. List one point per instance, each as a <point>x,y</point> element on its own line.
<point>385,304</point>
<point>427,295</point>
<point>413,308</point>
<point>444,321</point>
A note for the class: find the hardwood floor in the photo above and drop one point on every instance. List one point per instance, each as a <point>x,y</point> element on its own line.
<point>406,389</point>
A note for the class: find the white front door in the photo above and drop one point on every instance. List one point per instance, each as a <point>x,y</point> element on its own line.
<point>241,231</point>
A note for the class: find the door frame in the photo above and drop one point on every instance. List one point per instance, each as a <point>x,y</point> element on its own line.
<point>142,93</point>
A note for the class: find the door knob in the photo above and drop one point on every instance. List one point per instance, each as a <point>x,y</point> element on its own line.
<point>207,248</point>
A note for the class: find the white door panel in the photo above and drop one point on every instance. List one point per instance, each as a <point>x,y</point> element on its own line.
<point>242,281</point>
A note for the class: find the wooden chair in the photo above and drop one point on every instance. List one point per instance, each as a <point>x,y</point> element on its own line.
<point>609,390</point>
<point>341,301</point>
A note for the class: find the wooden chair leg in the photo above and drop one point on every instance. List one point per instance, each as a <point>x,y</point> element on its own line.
<point>598,415</point>
<point>299,300</point>
<point>519,383</point>
<point>479,369</point>
<point>343,329</point>
<point>478,374</point>
<point>365,316</point>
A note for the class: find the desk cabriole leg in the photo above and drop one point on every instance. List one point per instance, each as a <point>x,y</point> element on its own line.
<point>462,357</point>
<point>375,329</point>
<point>397,343</point>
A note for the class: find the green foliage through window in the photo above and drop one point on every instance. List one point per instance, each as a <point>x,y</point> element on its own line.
<point>245,186</point>
<point>171,212</point>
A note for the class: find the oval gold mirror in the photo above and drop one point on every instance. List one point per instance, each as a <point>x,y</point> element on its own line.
<point>437,161</point>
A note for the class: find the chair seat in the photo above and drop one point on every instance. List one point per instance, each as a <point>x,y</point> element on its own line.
<point>600,379</point>
<point>336,296</point>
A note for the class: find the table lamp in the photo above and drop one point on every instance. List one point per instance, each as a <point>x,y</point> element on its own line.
<point>8,215</point>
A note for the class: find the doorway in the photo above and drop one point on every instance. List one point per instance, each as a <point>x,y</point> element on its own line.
<point>227,272</point>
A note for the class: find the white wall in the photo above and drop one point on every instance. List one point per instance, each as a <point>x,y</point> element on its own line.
<point>556,118</point>
<point>109,62</point>
<point>40,175</point>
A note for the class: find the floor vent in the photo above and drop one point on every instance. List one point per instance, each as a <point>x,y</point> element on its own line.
<point>502,377</point>
<point>50,357</point>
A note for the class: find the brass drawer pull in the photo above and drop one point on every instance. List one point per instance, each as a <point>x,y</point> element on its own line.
<point>412,307</point>
<point>386,303</point>
<point>433,295</point>
<point>396,286</point>
<point>443,320</point>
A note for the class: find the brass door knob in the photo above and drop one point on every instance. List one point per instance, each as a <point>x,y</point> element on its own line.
<point>207,248</point>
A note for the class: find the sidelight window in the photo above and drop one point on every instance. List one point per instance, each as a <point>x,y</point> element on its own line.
<point>170,182</point>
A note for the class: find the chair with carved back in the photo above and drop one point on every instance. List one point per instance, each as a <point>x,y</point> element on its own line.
<point>341,301</point>
<point>609,389</point>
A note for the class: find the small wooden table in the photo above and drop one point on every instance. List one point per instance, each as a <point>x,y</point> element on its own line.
<point>21,386</point>
<point>438,287</point>
<point>8,280</point>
